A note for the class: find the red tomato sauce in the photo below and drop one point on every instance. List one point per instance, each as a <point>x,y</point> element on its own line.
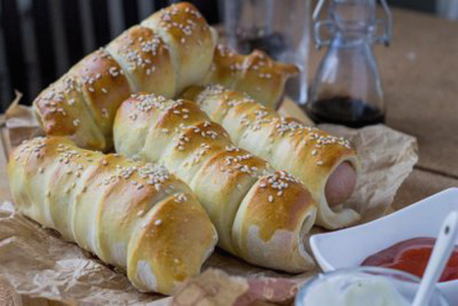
<point>412,256</point>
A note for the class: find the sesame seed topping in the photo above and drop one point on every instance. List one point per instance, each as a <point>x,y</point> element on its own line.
<point>180,197</point>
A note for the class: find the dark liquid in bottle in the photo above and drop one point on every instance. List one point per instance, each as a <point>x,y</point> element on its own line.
<point>345,111</point>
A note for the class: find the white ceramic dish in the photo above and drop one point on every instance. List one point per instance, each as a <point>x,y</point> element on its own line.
<point>349,247</point>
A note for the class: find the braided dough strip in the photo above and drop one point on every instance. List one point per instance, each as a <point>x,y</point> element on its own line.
<point>132,215</point>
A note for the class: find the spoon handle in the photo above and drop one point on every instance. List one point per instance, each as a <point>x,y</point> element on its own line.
<point>441,253</point>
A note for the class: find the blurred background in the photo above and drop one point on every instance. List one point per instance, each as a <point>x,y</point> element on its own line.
<point>41,39</point>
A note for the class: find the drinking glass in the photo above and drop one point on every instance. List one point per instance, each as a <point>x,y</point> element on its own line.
<point>281,28</point>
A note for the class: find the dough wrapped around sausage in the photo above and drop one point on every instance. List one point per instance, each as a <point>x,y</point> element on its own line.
<point>327,165</point>
<point>133,215</point>
<point>261,215</point>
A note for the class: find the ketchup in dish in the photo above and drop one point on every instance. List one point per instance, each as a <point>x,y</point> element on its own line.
<point>412,256</point>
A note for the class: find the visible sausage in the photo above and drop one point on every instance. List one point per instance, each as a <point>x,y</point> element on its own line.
<point>340,184</point>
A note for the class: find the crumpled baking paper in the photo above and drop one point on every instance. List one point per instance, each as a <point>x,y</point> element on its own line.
<point>42,268</point>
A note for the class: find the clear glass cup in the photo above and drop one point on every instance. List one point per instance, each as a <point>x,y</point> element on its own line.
<point>279,28</point>
<point>405,283</point>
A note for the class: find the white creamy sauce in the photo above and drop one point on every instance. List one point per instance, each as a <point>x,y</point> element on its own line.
<point>354,290</point>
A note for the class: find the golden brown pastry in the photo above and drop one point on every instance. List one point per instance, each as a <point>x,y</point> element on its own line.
<point>132,215</point>
<point>169,51</point>
<point>327,165</point>
<point>260,214</point>
<point>256,74</point>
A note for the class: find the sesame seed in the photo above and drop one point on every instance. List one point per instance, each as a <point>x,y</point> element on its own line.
<point>158,222</point>
<point>181,197</point>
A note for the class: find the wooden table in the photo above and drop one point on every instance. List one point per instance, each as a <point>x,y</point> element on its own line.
<point>419,72</point>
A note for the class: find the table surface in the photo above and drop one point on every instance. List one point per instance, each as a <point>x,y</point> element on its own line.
<point>419,72</point>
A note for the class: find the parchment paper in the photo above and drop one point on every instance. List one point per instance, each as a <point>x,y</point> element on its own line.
<point>38,264</point>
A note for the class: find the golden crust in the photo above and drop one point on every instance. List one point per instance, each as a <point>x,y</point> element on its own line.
<point>181,136</point>
<point>272,209</point>
<point>171,51</point>
<point>53,111</point>
<point>277,206</point>
<point>145,59</point>
<point>256,74</point>
<point>173,263</point>
<point>226,68</point>
<point>190,39</point>
<point>264,132</point>
<point>221,184</point>
<point>62,111</point>
<point>103,85</point>
<point>133,215</point>
<point>264,79</point>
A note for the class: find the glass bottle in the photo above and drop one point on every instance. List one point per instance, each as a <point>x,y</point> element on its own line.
<point>347,88</point>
